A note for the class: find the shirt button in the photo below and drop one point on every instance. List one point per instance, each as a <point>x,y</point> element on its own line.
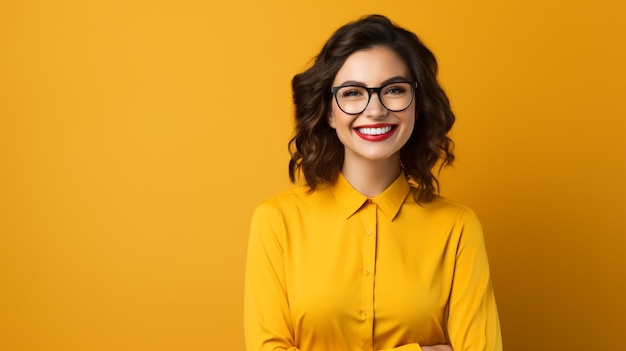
<point>365,315</point>
<point>367,272</point>
<point>368,232</point>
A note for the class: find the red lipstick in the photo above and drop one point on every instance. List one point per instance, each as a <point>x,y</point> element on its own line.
<point>375,132</point>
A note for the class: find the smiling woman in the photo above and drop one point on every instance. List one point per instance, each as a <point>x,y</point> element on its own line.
<point>366,255</point>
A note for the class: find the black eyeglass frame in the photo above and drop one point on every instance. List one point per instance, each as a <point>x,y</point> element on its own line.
<point>370,91</point>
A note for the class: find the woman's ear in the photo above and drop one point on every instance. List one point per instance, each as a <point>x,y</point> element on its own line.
<point>331,120</point>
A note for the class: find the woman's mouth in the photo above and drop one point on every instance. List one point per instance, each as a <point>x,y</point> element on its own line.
<point>375,132</point>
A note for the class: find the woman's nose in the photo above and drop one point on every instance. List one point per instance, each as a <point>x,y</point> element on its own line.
<point>375,108</point>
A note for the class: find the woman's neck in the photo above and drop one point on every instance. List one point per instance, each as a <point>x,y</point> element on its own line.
<point>371,178</point>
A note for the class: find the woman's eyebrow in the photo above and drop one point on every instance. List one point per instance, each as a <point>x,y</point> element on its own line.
<point>352,82</point>
<point>395,80</point>
<point>387,81</point>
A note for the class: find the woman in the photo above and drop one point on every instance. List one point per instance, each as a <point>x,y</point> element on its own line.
<point>366,256</point>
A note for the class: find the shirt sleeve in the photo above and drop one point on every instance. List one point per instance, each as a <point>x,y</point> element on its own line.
<point>267,322</point>
<point>473,322</point>
<point>407,347</point>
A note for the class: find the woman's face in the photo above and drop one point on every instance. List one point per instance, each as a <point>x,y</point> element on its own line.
<point>375,134</point>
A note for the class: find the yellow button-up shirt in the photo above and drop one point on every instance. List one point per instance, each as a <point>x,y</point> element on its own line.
<point>334,270</point>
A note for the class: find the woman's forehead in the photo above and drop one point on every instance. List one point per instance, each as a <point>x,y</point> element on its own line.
<point>372,67</point>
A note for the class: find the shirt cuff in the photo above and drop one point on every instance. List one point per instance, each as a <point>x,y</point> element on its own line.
<point>407,347</point>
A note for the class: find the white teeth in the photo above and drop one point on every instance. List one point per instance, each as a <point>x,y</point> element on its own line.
<point>375,131</point>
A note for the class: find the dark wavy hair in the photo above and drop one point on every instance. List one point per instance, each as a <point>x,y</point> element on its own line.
<point>315,148</point>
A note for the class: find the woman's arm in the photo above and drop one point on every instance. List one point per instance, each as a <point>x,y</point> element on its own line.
<point>416,347</point>
<point>437,348</point>
<point>267,322</point>
<point>473,322</point>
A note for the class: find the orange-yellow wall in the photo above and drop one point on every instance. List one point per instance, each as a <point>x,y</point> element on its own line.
<point>137,136</point>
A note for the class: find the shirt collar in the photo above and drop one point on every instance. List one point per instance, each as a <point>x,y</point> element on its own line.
<point>389,201</point>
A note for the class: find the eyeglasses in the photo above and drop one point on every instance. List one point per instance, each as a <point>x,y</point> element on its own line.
<point>395,97</point>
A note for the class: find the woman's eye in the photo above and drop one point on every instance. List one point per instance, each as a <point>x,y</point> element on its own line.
<point>351,93</point>
<point>394,90</point>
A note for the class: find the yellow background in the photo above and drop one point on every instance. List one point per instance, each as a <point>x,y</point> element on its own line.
<point>136,137</point>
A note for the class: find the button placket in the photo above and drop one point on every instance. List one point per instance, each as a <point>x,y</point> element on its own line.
<point>368,215</point>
